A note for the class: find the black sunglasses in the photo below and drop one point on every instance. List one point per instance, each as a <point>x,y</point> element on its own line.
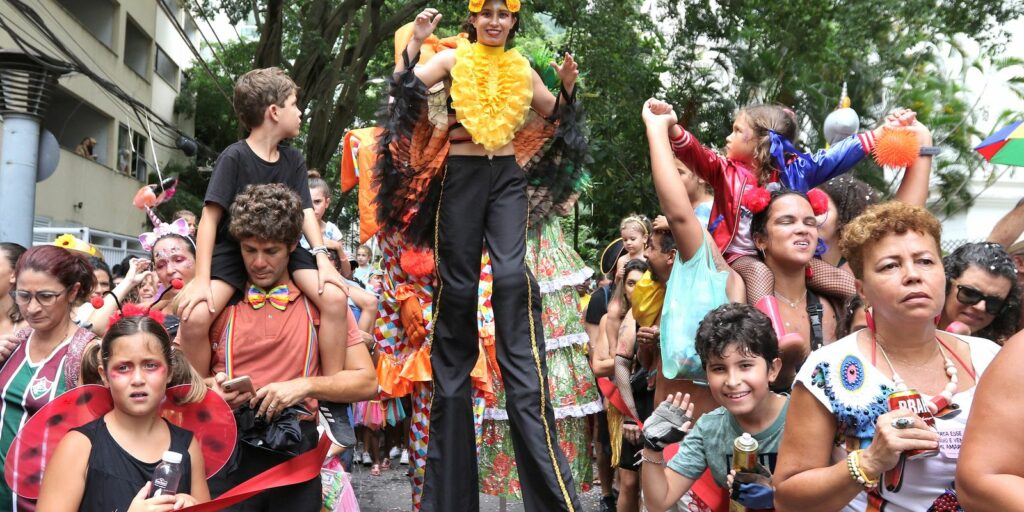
<point>970,296</point>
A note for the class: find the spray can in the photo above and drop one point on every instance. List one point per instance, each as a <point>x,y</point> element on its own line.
<point>744,458</point>
<point>911,400</point>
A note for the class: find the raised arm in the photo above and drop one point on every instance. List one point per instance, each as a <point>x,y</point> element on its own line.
<point>914,187</point>
<point>543,101</point>
<point>675,204</point>
<point>1009,228</point>
<point>437,68</point>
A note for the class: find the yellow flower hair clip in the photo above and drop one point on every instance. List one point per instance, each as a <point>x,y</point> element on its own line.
<point>477,5</point>
<point>71,242</point>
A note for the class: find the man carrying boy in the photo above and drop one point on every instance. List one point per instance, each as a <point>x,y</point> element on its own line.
<point>265,103</point>
<point>271,337</point>
<point>740,353</point>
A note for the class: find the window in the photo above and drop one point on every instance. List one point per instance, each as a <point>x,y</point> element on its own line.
<point>136,49</point>
<point>131,154</point>
<point>96,16</point>
<point>79,127</point>
<point>166,68</point>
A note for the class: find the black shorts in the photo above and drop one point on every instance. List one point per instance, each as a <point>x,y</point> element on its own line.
<point>227,264</point>
<point>629,457</point>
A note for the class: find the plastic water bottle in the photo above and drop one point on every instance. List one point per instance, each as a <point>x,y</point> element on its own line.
<point>167,475</point>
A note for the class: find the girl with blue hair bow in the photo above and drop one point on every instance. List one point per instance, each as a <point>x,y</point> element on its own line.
<point>760,153</point>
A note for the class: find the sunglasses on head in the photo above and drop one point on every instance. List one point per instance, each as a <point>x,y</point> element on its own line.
<point>970,296</point>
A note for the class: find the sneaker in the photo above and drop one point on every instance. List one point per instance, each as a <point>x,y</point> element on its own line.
<point>404,460</point>
<point>393,453</point>
<point>366,459</point>
<point>334,417</point>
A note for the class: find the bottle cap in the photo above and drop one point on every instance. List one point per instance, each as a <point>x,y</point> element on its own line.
<point>172,457</point>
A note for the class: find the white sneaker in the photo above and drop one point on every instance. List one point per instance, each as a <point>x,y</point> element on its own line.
<point>394,452</point>
<point>405,458</point>
<point>366,459</point>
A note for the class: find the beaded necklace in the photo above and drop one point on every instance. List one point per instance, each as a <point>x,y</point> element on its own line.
<point>945,397</point>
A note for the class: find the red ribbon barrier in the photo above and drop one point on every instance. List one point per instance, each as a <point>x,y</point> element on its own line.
<point>292,471</point>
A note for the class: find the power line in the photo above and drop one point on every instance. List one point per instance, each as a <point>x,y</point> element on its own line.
<point>206,18</point>
<point>195,52</point>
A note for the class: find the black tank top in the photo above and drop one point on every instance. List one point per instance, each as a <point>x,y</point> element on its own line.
<point>115,477</point>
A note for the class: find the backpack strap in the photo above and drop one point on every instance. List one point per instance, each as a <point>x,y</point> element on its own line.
<point>815,312</point>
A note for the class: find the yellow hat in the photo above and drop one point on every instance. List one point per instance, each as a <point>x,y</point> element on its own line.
<point>71,242</point>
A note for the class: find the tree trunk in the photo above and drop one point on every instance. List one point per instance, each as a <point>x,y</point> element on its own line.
<point>268,51</point>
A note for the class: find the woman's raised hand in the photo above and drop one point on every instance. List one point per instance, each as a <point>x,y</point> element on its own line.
<point>890,441</point>
<point>567,72</point>
<point>425,24</point>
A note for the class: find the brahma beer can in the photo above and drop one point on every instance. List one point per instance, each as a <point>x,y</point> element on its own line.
<point>911,400</point>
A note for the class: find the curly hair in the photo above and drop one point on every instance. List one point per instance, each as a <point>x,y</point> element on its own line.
<point>736,324</point>
<point>762,119</point>
<point>992,258</point>
<point>259,89</point>
<point>892,217</point>
<point>269,212</point>
<point>851,197</point>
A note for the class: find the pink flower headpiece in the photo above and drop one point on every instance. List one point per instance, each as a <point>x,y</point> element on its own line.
<point>178,227</point>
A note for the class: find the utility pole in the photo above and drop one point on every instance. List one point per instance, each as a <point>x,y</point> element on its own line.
<point>26,87</point>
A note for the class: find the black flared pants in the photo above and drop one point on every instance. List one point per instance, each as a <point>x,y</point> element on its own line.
<point>484,199</point>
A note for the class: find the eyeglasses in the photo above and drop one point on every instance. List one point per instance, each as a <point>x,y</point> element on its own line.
<point>970,296</point>
<point>44,298</point>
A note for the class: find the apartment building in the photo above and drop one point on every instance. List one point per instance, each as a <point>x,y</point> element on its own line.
<point>107,151</point>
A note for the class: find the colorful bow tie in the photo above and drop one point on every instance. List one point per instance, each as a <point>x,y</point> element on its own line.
<point>258,297</point>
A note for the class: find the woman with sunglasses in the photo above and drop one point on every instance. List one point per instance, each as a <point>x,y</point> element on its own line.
<point>49,282</point>
<point>844,449</point>
<point>982,295</point>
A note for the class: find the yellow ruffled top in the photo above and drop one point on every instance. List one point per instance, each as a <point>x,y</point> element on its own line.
<point>492,89</point>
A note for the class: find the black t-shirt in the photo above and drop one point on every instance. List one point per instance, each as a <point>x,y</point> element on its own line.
<point>238,167</point>
<point>598,305</point>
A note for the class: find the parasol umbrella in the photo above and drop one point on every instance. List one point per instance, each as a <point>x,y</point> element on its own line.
<point>1005,146</point>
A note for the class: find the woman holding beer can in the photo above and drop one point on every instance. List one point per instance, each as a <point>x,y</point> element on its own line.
<point>876,419</point>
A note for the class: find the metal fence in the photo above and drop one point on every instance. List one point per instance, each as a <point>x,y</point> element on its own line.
<point>114,247</point>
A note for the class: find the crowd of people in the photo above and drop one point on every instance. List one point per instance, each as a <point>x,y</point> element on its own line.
<point>775,336</point>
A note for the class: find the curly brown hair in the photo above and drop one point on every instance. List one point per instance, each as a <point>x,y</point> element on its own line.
<point>893,217</point>
<point>765,118</point>
<point>259,89</point>
<point>270,211</point>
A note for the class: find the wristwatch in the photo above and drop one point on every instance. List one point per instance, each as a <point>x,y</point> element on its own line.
<point>930,150</point>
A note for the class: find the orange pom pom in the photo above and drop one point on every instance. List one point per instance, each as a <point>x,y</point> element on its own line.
<point>417,262</point>
<point>896,148</point>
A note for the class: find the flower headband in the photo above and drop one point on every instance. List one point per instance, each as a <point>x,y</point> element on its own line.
<point>178,227</point>
<point>477,5</point>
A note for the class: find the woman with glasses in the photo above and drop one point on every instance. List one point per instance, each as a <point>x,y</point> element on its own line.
<point>982,295</point>
<point>49,282</point>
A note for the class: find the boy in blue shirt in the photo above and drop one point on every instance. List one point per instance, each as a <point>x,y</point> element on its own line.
<point>740,353</point>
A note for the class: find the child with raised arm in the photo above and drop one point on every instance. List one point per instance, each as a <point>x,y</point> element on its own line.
<point>760,151</point>
<point>265,103</point>
<point>741,355</point>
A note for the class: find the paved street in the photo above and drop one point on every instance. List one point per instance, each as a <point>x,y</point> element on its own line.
<point>390,492</point>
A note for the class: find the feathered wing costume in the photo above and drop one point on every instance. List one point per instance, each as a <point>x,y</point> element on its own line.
<point>396,167</point>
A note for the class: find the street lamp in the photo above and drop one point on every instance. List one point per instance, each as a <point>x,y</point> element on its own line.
<point>26,87</point>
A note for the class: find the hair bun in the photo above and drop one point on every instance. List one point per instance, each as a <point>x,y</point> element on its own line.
<point>312,174</point>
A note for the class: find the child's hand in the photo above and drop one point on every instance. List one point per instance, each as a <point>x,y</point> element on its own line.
<point>326,273</point>
<point>753,489</point>
<point>657,113</point>
<point>184,500</point>
<point>198,293</point>
<point>660,223</point>
<point>669,423</point>
<point>155,504</point>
